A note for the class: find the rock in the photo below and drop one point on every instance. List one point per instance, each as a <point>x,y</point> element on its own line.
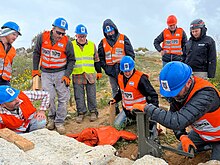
<point>148,159</point>
<point>211,162</point>
<point>51,148</point>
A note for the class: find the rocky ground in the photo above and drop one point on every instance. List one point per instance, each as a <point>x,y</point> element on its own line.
<point>150,64</point>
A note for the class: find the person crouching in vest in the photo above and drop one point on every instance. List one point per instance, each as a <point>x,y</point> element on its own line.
<point>173,40</point>
<point>9,33</point>
<point>18,113</point>
<point>134,87</point>
<point>54,53</point>
<point>111,49</point>
<point>195,102</point>
<point>84,74</point>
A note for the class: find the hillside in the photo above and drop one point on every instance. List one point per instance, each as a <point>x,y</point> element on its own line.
<point>149,63</point>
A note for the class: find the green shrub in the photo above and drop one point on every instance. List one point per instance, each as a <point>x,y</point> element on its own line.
<point>141,48</point>
<point>21,74</point>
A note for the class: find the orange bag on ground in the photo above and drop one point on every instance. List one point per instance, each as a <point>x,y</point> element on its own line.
<point>102,136</point>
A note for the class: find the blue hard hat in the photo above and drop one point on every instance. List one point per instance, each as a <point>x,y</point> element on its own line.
<point>81,29</point>
<point>61,23</point>
<point>8,94</point>
<point>127,64</point>
<point>108,29</point>
<point>13,26</point>
<point>173,77</point>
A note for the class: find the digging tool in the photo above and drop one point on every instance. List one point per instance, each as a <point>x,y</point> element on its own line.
<point>148,141</point>
<point>111,113</point>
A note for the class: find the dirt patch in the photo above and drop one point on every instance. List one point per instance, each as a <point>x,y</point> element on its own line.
<point>130,149</point>
<point>151,66</point>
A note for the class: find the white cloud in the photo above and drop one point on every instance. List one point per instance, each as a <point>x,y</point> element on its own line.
<point>140,20</point>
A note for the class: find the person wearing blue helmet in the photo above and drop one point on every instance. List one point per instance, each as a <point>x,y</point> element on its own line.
<point>8,34</point>
<point>55,55</point>
<point>134,87</point>
<point>84,74</point>
<point>17,111</point>
<point>195,102</point>
<point>111,49</point>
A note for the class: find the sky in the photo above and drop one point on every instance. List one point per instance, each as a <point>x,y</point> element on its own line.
<point>140,20</point>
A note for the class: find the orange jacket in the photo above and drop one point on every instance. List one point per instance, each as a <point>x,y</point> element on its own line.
<point>208,126</point>
<point>114,54</point>
<point>53,56</point>
<point>6,62</point>
<point>130,93</point>
<point>13,122</point>
<point>102,136</point>
<point>172,43</point>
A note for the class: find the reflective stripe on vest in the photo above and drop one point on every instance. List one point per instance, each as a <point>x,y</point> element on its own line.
<point>172,44</point>
<point>84,58</point>
<point>53,56</point>
<point>208,126</point>
<point>130,94</point>
<point>6,62</point>
<point>19,125</point>
<point>116,53</point>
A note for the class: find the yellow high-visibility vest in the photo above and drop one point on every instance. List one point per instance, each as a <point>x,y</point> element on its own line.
<point>84,58</point>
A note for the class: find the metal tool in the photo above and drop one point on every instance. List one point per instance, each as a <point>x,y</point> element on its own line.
<point>148,141</point>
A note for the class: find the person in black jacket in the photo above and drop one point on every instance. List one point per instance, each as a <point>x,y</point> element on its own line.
<point>111,49</point>
<point>135,87</point>
<point>174,39</point>
<point>201,51</point>
<point>195,102</point>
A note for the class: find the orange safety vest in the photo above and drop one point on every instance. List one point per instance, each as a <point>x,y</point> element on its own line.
<point>208,126</point>
<point>53,56</point>
<point>114,54</point>
<point>130,94</point>
<point>6,62</point>
<point>172,43</point>
<point>16,124</point>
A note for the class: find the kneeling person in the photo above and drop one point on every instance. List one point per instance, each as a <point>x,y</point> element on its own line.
<point>134,88</point>
<point>18,113</point>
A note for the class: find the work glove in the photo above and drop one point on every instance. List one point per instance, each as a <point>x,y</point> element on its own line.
<point>112,101</point>
<point>187,144</point>
<point>98,76</point>
<point>35,73</point>
<point>138,108</point>
<point>66,80</point>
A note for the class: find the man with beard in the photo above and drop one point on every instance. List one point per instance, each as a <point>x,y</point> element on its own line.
<point>54,52</point>
<point>9,33</point>
<point>195,102</point>
<point>18,113</point>
<point>111,50</point>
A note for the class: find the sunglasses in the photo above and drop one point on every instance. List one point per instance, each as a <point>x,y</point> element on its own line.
<point>81,36</point>
<point>60,33</point>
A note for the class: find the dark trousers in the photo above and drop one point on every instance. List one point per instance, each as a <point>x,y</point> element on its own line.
<point>4,82</point>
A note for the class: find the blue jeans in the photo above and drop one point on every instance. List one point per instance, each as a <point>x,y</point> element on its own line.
<point>201,145</point>
<point>35,124</point>
<point>120,121</point>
